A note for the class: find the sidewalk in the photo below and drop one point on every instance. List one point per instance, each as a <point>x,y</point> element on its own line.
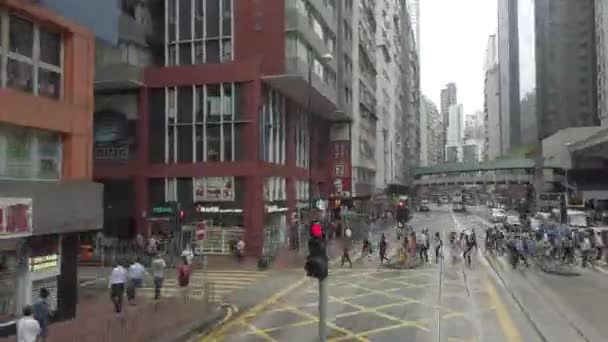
<point>167,320</point>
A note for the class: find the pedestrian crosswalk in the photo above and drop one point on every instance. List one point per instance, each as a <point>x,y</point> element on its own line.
<point>220,283</point>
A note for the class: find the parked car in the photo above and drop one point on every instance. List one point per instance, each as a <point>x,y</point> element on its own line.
<point>498,215</point>
<point>424,205</point>
<point>459,207</point>
<point>513,222</point>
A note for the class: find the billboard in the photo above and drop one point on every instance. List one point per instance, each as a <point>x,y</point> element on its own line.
<point>114,135</point>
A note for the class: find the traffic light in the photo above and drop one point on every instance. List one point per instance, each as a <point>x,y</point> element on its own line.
<point>317,262</point>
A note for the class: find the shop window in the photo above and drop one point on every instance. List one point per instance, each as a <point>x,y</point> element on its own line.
<point>8,286</point>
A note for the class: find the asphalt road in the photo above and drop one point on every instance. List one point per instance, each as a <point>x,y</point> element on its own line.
<point>561,308</point>
<point>434,302</point>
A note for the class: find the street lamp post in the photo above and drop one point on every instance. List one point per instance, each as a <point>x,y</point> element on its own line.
<point>322,283</point>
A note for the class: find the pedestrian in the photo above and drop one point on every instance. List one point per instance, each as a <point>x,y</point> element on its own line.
<point>240,250</point>
<point>382,247</point>
<point>423,247</point>
<point>42,313</point>
<point>183,276</point>
<point>438,247</point>
<point>135,276</point>
<point>118,279</point>
<point>28,328</point>
<point>346,257</point>
<point>158,272</point>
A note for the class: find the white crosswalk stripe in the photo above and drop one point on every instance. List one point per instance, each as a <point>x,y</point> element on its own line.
<point>222,283</point>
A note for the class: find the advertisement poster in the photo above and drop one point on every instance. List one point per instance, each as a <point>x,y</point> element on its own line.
<point>15,216</point>
<point>214,189</point>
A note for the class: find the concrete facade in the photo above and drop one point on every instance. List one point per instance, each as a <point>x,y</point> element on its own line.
<point>449,96</point>
<point>601,41</point>
<point>566,97</point>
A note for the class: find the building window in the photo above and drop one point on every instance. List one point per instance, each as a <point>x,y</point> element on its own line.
<point>204,34</point>
<point>273,127</point>
<point>33,60</point>
<point>203,123</point>
<point>29,154</point>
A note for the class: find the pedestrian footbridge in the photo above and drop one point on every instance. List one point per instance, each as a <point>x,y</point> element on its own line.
<point>504,171</point>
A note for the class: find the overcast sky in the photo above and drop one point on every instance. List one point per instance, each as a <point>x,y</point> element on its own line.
<point>454,35</point>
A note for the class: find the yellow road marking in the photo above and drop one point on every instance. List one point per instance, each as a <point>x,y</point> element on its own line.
<point>215,335</point>
<point>329,324</point>
<point>505,321</point>
<point>261,333</point>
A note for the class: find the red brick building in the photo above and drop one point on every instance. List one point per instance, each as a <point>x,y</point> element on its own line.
<point>222,128</point>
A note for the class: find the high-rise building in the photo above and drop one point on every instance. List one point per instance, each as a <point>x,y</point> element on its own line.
<point>508,57</point>
<point>389,37</point>
<point>410,97</point>
<point>209,109</point>
<point>601,42</point>
<point>565,36</point>
<point>493,133</point>
<point>364,85</point>
<point>431,134</point>
<point>413,8</point>
<point>448,98</point>
<point>456,125</point>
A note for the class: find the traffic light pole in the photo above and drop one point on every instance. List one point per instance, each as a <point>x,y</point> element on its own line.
<point>323,310</point>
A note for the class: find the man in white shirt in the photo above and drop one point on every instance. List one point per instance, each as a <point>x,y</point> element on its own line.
<point>158,272</point>
<point>118,278</point>
<point>135,274</point>
<point>28,328</point>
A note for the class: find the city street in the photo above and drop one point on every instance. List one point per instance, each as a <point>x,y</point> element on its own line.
<point>434,302</point>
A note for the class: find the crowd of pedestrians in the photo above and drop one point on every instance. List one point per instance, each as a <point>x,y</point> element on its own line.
<point>563,245</point>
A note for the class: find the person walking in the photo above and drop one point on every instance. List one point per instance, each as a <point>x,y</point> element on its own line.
<point>183,276</point>
<point>135,276</point>
<point>382,247</point>
<point>158,272</point>
<point>42,313</point>
<point>28,328</point>
<point>346,257</point>
<point>118,279</point>
<point>438,247</point>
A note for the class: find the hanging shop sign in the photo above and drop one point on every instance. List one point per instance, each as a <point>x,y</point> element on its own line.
<point>214,189</point>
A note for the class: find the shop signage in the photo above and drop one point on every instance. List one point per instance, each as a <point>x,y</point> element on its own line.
<point>200,231</point>
<point>201,209</point>
<point>42,263</point>
<point>162,210</point>
<point>275,208</point>
<point>214,189</point>
<point>15,216</point>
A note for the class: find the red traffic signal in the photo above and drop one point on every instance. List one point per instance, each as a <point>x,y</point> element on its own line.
<point>181,214</point>
<point>401,203</point>
<point>316,230</point>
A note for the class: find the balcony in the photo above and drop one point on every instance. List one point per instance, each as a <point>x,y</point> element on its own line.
<point>118,76</point>
<point>130,30</point>
<point>294,84</point>
<point>295,21</point>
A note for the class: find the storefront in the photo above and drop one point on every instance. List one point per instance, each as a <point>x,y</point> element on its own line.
<point>12,278</point>
<point>223,223</point>
<point>44,260</point>
<point>275,227</point>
